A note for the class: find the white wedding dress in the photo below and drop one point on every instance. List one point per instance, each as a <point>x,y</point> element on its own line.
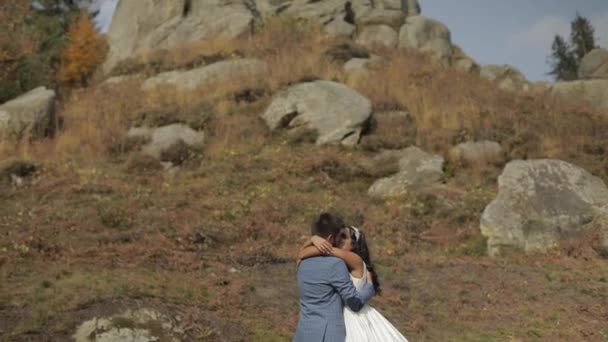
<point>368,325</point>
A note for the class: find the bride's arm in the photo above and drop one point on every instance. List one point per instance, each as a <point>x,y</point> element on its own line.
<point>352,260</point>
<point>316,246</point>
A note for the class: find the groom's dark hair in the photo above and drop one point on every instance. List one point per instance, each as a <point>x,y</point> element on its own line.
<point>326,225</point>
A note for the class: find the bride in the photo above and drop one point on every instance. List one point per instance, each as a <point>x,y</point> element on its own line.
<point>367,325</point>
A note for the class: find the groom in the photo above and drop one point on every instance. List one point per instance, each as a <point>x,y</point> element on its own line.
<point>325,286</point>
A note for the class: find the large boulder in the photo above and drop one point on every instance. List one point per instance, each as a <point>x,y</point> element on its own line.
<point>417,171</point>
<point>150,24</point>
<point>594,65</point>
<point>230,70</point>
<point>31,114</point>
<point>507,78</point>
<point>429,35</point>
<point>594,92</point>
<point>336,112</point>
<point>539,203</point>
<point>381,35</point>
<point>169,143</point>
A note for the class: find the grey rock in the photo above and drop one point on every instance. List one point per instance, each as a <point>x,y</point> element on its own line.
<point>539,203</point>
<point>339,28</point>
<point>594,65</point>
<point>391,18</point>
<point>161,139</point>
<point>31,114</point>
<point>417,171</point>
<point>466,64</point>
<point>224,71</point>
<point>336,112</point>
<point>480,152</point>
<point>142,325</point>
<point>381,35</point>
<point>428,35</point>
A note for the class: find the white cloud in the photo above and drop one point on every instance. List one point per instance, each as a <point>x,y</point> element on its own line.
<point>540,35</point>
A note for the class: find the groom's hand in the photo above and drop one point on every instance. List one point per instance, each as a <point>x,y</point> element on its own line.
<point>322,245</point>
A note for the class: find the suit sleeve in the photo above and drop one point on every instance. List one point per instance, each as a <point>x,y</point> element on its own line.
<point>340,280</point>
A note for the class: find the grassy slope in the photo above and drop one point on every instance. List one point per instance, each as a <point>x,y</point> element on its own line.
<point>98,229</point>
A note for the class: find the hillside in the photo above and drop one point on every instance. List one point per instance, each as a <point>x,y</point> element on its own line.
<point>198,238</point>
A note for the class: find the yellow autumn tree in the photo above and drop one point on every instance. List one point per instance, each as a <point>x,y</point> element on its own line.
<point>85,51</point>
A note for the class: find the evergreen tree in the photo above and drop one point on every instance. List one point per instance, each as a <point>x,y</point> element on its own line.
<point>582,37</point>
<point>563,61</point>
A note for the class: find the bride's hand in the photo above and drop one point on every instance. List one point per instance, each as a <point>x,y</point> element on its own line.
<point>322,245</point>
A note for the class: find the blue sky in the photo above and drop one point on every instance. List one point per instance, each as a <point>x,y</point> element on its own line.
<point>515,32</point>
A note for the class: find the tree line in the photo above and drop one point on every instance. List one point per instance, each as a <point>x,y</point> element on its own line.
<point>50,43</point>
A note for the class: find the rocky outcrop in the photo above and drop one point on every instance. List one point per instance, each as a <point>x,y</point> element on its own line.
<point>475,153</point>
<point>594,65</point>
<point>231,70</point>
<point>417,170</point>
<point>539,203</point>
<point>337,113</point>
<point>594,92</point>
<point>31,114</point>
<point>428,35</point>
<point>148,24</point>
<point>506,77</point>
<point>408,7</point>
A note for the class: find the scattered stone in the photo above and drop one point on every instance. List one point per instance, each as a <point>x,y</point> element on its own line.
<point>417,171</point>
<point>142,325</point>
<point>168,143</point>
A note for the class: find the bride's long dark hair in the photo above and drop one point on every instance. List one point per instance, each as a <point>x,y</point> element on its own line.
<point>360,248</point>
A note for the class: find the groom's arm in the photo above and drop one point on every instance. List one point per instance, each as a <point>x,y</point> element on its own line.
<point>340,280</point>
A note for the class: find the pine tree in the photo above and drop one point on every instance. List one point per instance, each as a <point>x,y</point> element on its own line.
<point>563,61</point>
<point>582,37</point>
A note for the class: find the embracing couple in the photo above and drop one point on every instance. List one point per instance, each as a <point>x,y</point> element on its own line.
<point>336,279</point>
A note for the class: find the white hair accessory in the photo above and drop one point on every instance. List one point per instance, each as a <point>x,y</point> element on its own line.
<point>357,232</point>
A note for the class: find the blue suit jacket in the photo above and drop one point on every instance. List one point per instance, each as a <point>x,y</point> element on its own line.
<point>325,286</point>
